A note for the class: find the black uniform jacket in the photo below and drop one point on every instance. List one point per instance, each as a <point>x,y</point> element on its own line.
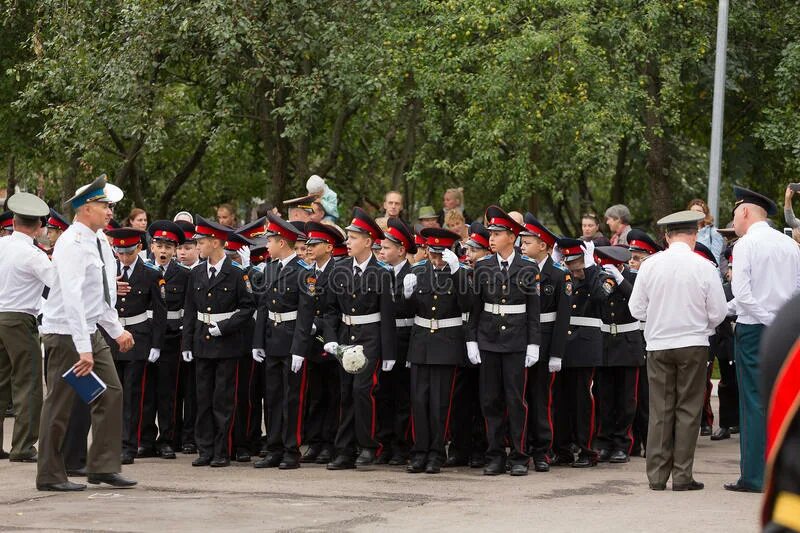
<point>310,309</point>
<point>402,309</point>
<point>281,294</point>
<point>555,287</point>
<point>585,343</point>
<point>622,349</point>
<point>230,292</point>
<point>176,277</point>
<point>146,295</point>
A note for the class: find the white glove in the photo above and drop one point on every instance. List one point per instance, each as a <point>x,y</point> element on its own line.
<point>244,256</point>
<point>213,330</point>
<point>531,355</point>
<point>155,353</point>
<point>408,364</point>
<point>554,365</point>
<point>387,366</point>
<point>614,271</point>
<point>258,355</point>
<point>588,254</point>
<point>187,356</point>
<point>313,328</point>
<point>331,347</point>
<point>297,363</point>
<point>473,353</point>
<point>409,284</point>
<point>449,257</point>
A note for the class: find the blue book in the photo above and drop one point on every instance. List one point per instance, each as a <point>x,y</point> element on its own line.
<point>88,387</point>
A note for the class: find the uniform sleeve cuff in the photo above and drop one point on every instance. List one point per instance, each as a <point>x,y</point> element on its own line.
<point>83,345</point>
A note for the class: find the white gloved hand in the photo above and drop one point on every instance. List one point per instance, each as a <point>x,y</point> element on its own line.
<point>155,353</point>
<point>213,330</point>
<point>244,256</point>
<point>531,355</point>
<point>473,353</point>
<point>331,347</point>
<point>449,257</point>
<point>408,364</point>
<point>187,356</point>
<point>554,365</point>
<point>387,366</point>
<point>313,328</point>
<point>259,355</point>
<point>614,271</point>
<point>588,254</point>
<point>297,363</point>
<point>409,284</point>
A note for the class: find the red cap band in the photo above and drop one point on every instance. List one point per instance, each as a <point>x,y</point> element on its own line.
<point>280,230</point>
<point>397,235</point>
<point>480,239</point>
<point>642,245</point>
<point>164,234</point>
<point>440,242</point>
<point>207,231</point>
<point>322,236</point>
<point>125,242</point>
<point>365,227</point>
<point>574,250</point>
<point>53,221</point>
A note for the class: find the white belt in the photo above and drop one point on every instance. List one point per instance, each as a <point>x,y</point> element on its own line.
<point>585,321</point>
<point>435,324</point>
<point>132,320</point>
<point>171,315</point>
<point>360,320</point>
<point>620,328</point>
<point>403,322</point>
<point>208,318</point>
<point>545,318</point>
<point>282,317</point>
<point>500,309</point>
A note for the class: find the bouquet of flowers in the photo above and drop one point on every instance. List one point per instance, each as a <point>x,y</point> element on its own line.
<point>351,357</point>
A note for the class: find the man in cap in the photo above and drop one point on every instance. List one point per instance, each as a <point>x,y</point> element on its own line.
<point>26,273</point>
<point>81,299</point>
<point>555,290</point>
<point>160,397</point>
<point>394,402</point>
<point>6,224</point>
<point>359,310</point>
<point>219,303</point>
<point>300,209</point>
<point>427,217</point>
<point>504,335</point>
<point>757,298</point>
<point>623,356</point>
<point>284,372</point>
<point>143,313</point>
<point>681,312</point>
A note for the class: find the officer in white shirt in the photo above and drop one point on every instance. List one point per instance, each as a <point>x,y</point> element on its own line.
<point>26,271</point>
<point>766,274</point>
<point>679,295</point>
<point>81,299</point>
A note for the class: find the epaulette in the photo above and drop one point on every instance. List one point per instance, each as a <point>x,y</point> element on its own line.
<point>384,265</point>
<point>485,257</point>
<point>465,266</point>
<point>237,265</point>
<point>149,264</point>
<point>561,267</point>
<point>421,263</point>
<point>529,259</point>
<point>304,264</point>
<point>182,265</point>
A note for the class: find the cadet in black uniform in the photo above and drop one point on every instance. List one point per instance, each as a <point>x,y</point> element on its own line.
<point>219,304</point>
<point>284,372</point>
<point>394,402</point>
<point>623,358</point>
<point>322,411</point>
<point>162,384</point>
<point>555,288</point>
<point>575,405</point>
<point>6,229</point>
<point>504,337</point>
<point>359,310</point>
<point>143,313</point>
<point>437,291</point>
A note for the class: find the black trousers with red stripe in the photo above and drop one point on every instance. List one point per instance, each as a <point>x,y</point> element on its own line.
<point>186,407</point>
<point>467,427</point>
<point>540,410</point>
<point>503,379</point>
<point>133,376</point>
<point>284,397</point>
<point>432,388</point>
<point>394,410</point>
<point>160,397</point>
<point>357,414</point>
<point>322,407</point>
<point>618,390</point>
<point>574,410</point>
<point>246,436</point>
<point>217,390</point>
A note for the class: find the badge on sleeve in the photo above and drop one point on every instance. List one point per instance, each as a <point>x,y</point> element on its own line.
<point>247,284</point>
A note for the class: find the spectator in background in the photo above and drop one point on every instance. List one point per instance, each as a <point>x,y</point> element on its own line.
<point>319,211</point>
<point>453,200</point>
<point>707,234</point>
<point>454,221</point>
<point>226,215</point>
<point>427,217</point>
<point>137,219</point>
<point>618,219</point>
<point>265,208</point>
<point>788,212</point>
<point>590,230</point>
<point>184,215</point>
<point>316,186</point>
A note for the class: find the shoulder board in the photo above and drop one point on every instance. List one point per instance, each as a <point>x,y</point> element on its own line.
<point>485,257</point>
<point>181,265</point>
<point>528,259</point>
<point>237,265</point>
<point>421,263</point>
<point>303,264</point>
<point>384,265</point>
<point>465,266</point>
<point>151,266</point>
<point>561,267</point>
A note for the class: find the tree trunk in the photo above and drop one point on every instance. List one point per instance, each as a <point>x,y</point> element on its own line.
<point>70,182</point>
<point>12,178</point>
<point>620,172</point>
<point>181,177</point>
<point>659,161</point>
<point>276,149</point>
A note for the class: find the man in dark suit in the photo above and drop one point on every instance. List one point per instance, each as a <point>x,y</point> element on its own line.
<point>359,310</point>
<point>219,303</point>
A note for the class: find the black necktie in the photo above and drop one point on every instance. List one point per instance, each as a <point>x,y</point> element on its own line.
<point>125,274</point>
<point>317,273</point>
<point>162,269</point>
<point>357,270</point>
<point>106,293</point>
<point>213,272</point>
<point>504,266</point>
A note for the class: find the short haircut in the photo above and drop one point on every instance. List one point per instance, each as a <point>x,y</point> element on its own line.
<point>591,216</point>
<point>385,196</point>
<point>682,231</point>
<point>27,222</point>
<point>620,212</point>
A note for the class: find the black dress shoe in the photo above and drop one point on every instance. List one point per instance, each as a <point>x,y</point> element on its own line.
<point>202,461</point>
<point>383,458</point>
<point>365,458</point>
<point>705,431</point>
<point>272,460</point>
<point>115,480</point>
<point>738,487</point>
<point>519,469</point>
<point>324,456</point>
<point>584,460</point>
<point>477,461</point>
<point>167,452</point>
<point>3,454</point>
<point>417,464</point>
<point>434,465</point>
<point>495,467</point>
<point>456,460</point>
<point>721,434</point>
<point>127,458</point>
<point>692,485</point>
<point>342,462</point>
<point>734,430</point>
<point>540,465</point>
<point>399,459</point>
<point>66,486</point>
<point>312,453</point>
<point>562,460</point>
<point>619,457</point>
<point>242,455</point>
<point>603,456</point>
<point>146,452</point>
<point>24,459</point>
<point>263,452</point>
<point>289,462</point>
<point>220,462</point>
<point>189,449</point>
<point>76,472</point>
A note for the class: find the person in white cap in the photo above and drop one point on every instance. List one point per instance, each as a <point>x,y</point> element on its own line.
<point>318,187</point>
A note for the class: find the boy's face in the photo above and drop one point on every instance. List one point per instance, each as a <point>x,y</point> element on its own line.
<point>163,251</point>
<point>187,253</point>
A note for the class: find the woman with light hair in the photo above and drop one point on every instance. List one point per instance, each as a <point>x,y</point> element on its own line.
<point>454,221</point>
<point>707,234</point>
<point>453,200</point>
